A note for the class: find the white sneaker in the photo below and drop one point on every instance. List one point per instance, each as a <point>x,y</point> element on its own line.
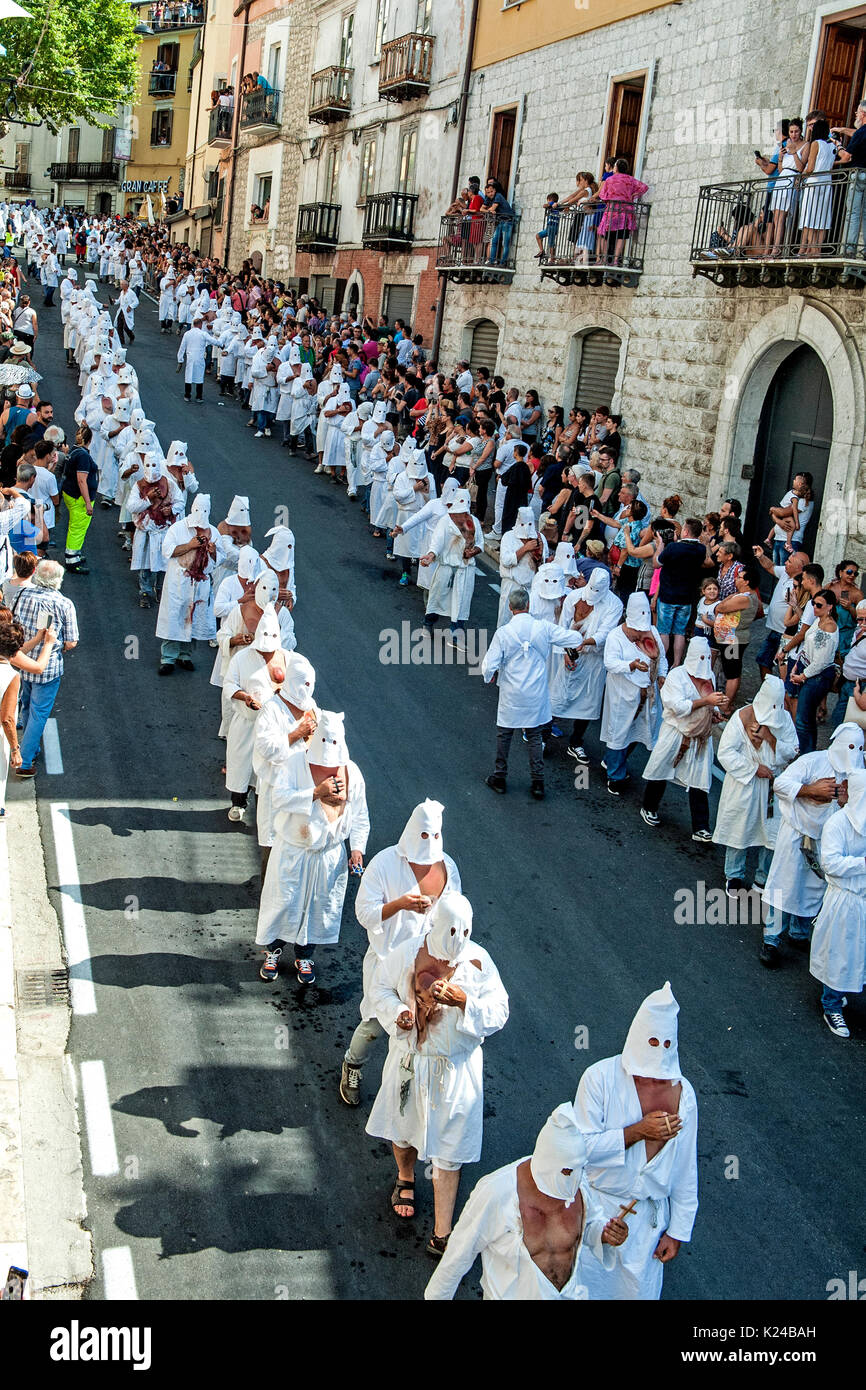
<point>319,469</point>
<point>267,434</point>
<point>836,1023</point>
<point>236,813</point>
<point>257,435</point>
<point>493,536</point>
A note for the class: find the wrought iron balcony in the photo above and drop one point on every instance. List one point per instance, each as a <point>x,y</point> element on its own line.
<point>260,108</point>
<point>806,230</point>
<point>15,179</point>
<point>330,95</point>
<point>161,84</point>
<point>405,66</point>
<point>103,172</point>
<point>477,247</point>
<point>161,18</point>
<point>603,244</point>
<point>389,221</point>
<point>318,227</point>
<point>219,128</point>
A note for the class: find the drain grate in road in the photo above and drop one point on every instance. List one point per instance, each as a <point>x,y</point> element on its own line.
<point>43,989</point>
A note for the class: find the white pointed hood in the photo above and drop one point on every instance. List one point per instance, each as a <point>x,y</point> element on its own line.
<point>327,747</point>
<point>768,705</point>
<point>239,512</point>
<point>421,841</point>
<point>651,1045</point>
<point>267,588</point>
<point>559,1146</point>
<point>637,613</point>
<point>596,588</point>
<point>549,582</point>
<point>300,682</point>
<point>699,659</point>
<point>855,807</point>
<point>344,395</point>
<point>450,927</point>
<point>177,452</point>
<point>846,750</point>
<point>199,512</point>
<point>294,358</point>
<point>280,554</point>
<point>459,501</point>
<point>564,557</point>
<point>248,562</point>
<point>152,468</point>
<point>449,487</point>
<point>306,372</point>
<point>525,528</point>
<point>267,636</point>
<point>380,412</point>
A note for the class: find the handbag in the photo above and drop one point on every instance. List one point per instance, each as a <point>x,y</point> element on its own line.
<point>854,714</point>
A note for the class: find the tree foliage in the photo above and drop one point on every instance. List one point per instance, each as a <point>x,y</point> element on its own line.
<point>83,65</point>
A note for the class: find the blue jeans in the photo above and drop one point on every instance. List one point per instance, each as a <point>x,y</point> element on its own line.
<point>170,651</point>
<point>617,763</point>
<point>766,658</point>
<point>846,690</point>
<point>500,243</point>
<point>855,220</point>
<point>778,922</point>
<point>263,419</point>
<point>37,702</point>
<point>735,863</point>
<point>780,552</point>
<point>812,692</point>
<point>831,1000</point>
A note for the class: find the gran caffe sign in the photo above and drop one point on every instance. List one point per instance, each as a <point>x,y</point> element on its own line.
<point>145,186</point>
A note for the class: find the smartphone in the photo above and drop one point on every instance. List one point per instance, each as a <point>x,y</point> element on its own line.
<point>758,154</point>
<point>14,1286</point>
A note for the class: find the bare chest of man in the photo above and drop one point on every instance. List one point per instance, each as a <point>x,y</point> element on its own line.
<point>552,1238</point>
<point>657,1095</point>
<point>432,879</point>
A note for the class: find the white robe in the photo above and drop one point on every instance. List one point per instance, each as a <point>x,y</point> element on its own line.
<point>514,573</point>
<point>186,605</point>
<point>408,502</point>
<point>838,956</point>
<point>743,817</point>
<point>579,694</point>
<point>148,538</point>
<point>307,873</point>
<point>791,885</point>
<point>247,671</point>
<point>303,411</point>
<point>624,719</point>
<point>191,353</point>
<point>334,455</point>
<point>443,1111</point>
<point>285,382</point>
<point>167,305</point>
<point>453,579</point>
<point>518,656</point>
<point>666,1187</point>
<point>695,767</point>
<point>388,876</point>
<point>271,753</point>
<point>491,1226</point>
<point>424,521</point>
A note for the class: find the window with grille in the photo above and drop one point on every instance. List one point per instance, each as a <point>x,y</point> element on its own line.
<point>423,16</point>
<point>368,169</point>
<point>408,149</point>
<point>160,127</point>
<point>73,139</point>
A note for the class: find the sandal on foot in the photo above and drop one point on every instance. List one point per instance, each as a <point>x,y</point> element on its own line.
<point>436,1246</point>
<point>398,1201</point>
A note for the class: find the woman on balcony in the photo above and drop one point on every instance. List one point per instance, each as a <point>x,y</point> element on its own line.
<point>620,193</point>
<point>816,207</point>
<point>782,200</point>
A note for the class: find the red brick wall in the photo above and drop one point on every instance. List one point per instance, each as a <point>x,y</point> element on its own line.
<point>377,270</point>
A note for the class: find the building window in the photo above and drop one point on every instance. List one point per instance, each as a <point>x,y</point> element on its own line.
<point>22,157</point>
<point>332,175</point>
<point>840,72</point>
<point>72,141</point>
<point>624,119</point>
<point>160,127</point>
<point>107,146</point>
<point>167,57</point>
<point>423,16</point>
<point>346,40</point>
<point>502,147</point>
<point>274,59</point>
<point>368,169</point>
<point>383,14</point>
<point>408,147</point>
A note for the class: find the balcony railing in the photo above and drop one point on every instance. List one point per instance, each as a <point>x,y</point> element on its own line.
<point>330,95</point>
<point>219,125</point>
<point>405,66</point>
<point>389,220</point>
<point>163,17</point>
<point>15,179</point>
<point>260,107</point>
<point>476,247</point>
<point>161,84</point>
<point>603,244</point>
<point>318,227</point>
<point>806,230</point>
<point>104,172</point>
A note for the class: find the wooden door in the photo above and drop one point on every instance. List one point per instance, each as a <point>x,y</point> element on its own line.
<point>840,84</point>
<point>502,147</point>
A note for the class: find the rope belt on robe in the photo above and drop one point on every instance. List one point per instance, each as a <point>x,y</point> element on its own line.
<point>441,1066</point>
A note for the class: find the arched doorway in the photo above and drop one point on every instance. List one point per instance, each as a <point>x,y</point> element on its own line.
<point>484,348</point>
<point>104,204</point>
<point>598,369</point>
<point>795,434</point>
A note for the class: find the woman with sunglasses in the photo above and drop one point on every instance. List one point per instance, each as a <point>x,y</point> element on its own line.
<point>815,669</point>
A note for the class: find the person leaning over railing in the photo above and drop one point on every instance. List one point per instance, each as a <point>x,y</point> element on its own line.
<point>854,156</point>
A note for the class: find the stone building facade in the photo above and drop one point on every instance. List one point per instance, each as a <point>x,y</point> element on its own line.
<point>700,366</point>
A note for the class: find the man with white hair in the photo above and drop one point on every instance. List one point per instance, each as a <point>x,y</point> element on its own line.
<point>39,690</point>
<point>192,353</point>
<point>535,1223</point>
<point>639,1117</point>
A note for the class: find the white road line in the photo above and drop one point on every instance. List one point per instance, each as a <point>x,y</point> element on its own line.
<point>51,749</point>
<point>97,1115</point>
<point>118,1275</point>
<point>81,991</point>
<point>497,588</point>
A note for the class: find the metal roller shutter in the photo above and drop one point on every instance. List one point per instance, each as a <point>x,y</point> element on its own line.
<point>599,364</point>
<point>485,346</point>
<point>397,303</point>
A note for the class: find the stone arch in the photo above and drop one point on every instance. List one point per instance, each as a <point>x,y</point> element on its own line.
<point>575,332</point>
<point>766,346</point>
<point>355,282</point>
<point>494,315</point>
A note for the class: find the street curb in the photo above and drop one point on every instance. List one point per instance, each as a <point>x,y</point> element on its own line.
<point>47,1175</point>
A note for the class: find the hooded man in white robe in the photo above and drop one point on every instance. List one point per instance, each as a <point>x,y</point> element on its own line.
<point>319,802</point>
<point>413,488</point>
<point>683,752</point>
<point>807,793</point>
<point>639,1116</point>
<point>192,549</point>
<point>155,504</point>
<point>838,956</point>
<point>192,354</point>
<point>577,688</point>
<point>283,730</point>
<point>520,554</point>
<point>455,542</point>
<point>758,742</point>
<point>399,887</point>
<point>438,999</point>
<point>303,415</point>
<point>254,673</point>
<point>167,308</point>
<point>636,666</point>
<point>424,521</point>
<point>535,1223</point>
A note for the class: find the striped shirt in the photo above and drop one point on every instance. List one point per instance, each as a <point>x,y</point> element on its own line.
<point>26,609</point>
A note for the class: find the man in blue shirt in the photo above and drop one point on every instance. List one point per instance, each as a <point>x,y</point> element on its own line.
<point>498,204</point>
<point>855,155</point>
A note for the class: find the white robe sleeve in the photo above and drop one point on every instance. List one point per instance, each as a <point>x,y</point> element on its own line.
<point>605,1147</point>
<point>492,659</point>
<point>359,831</point>
<point>733,754</point>
<point>684,1177</point>
<point>615,659</point>
<point>231,683</point>
<point>371,897</point>
<point>835,863</point>
<point>385,999</point>
<point>594,1222</point>
<point>486,1007</point>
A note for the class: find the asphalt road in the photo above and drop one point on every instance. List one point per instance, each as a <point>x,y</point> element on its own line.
<point>241,1174</point>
